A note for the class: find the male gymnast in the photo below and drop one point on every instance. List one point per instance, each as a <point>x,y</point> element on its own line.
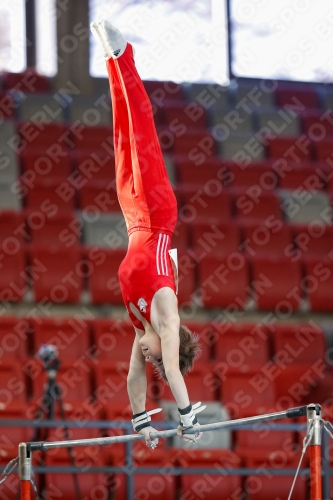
<point>147,275</point>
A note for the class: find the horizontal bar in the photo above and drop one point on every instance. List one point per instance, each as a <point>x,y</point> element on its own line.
<point>98,424</point>
<point>168,433</point>
<point>170,471</point>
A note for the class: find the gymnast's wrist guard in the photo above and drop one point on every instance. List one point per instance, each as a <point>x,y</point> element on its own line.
<point>188,415</point>
<point>143,419</point>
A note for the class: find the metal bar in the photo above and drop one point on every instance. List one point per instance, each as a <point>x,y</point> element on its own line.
<point>326,467</point>
<point>24,472</point>
<point>165,434</point>
<point>314,415</point>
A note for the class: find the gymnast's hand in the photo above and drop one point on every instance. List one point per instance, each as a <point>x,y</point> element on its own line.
<point>151,443</point>
<point>188,420</point>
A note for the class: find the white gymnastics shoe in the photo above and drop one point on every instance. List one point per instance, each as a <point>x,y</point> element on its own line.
<point>112,41</point>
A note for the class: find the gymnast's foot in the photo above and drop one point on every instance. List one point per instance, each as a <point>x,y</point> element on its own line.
<point>112,41</point>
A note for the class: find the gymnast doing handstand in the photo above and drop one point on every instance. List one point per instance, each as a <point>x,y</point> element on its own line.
<point>148,274</point>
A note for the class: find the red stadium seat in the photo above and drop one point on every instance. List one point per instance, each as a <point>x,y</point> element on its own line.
<point>187,116</point>
<point>270,238</point>
<point>62,230</point>
<point>212,172</point>
<point>255,173</point>
<point>258,206</point>
<point>244,393</point>
<point>186,278</point>
<point>49,138</point>
<point>313,239</point>
<point>197,144</point>
<point>303,176</point>
<point>222,238</point>
<point>40,165</point>
<point>49,196</point>
<point>242,344</point>
<point>99,137</point>
<point>27,81</point>
<point>199,384</point>
<point>7,106</point>
<point>104,285</point>
<point>111,382</point>
<point>154,485</point>
<point>97,197</point>
<point>159,92</point>
<point>11,437</point>
<point>12,229</point>
<point>319,282</point>
<point>180,237</point>
<point>323,149</point>
<point>291,148</point>
<point>294,382</point>
<point>298,97</point>
<point>315,123</point>
<point>204,202</point>
<point>57,273</point>
<point>113,339</point>
<point>14,334</point>
<point>12,383</point>
<point>13,274</point>
<point>74,379</point>
<point>214,487</point>
<point>93,164</point>
<point>70,336</point>
<point>277,283</point>
<point>223,281</point>
<point>305,342</point>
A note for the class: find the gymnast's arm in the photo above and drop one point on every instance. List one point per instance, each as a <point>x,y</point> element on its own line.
<point>165,320</point>
<point>136,378</point>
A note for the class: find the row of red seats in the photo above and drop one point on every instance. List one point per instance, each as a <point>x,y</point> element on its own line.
<point>90,165</point>
<point>233,345</point>
<point>243,389</point>
<point>204,234</point>
<point>276,282</point>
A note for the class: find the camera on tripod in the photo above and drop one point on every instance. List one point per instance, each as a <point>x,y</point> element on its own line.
<point>48,354</point>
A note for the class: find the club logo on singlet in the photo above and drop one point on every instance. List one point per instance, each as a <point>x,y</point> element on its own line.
<point>142,305</point>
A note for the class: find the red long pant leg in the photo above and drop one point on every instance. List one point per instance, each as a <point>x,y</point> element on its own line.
<point>144,190</point>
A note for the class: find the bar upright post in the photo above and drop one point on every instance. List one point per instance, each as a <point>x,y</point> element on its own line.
<point>25,471</point>
<point>314,414</point>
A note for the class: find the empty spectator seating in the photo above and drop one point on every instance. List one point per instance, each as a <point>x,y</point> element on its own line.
<point>318,283</point>
<point>271,238</point>
<point>256,173</point>
<point>272,487</point>
<point>197,144</point>
<point>213,171</point>
<point>257,205</point>
<point>99,137</point>
<point>111,382</point>
<point>28,81</point>
<point>208,95</point>
<point>113,339</point>
<point>13,273</point>
<point>11,436</point>
<point>186,278</point>
<point>62,230</point>
<point>297,97</point>
<point>302,176</point>
<point>69,336</point>
<point>220,487</point>
<point>294,148</point>
<point>317,123</point>
<point>305,343</point>
<point>206,338</point>
<point>240,147</point>
<point>53,138</point>
<point>12,383</point>
<point>276,283</point>
<point>49,195</point>
<point>14,334</point>
<point>225,120</point>
<point>57,273</point>
<point>95,164</point>
<point>205,202</point>
<point>7,108</point>
<point>223,281</point>
<point>222,238</point>
<point>188,116</point>
<point>323,150</point>
<point>180,237</point>
<point>9,166</point>
<point>10,199</point>
<point>104,287</point>
<point>313,239</point>
<point>41,165</point>
<point>12,229</point>
<point>250,96</point>
<point>96,197</point>
<point>158,91</point>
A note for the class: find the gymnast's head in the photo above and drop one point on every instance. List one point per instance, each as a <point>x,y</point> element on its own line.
<point>189,349</point>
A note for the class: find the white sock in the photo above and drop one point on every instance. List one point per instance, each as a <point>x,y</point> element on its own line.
<point>110,37</point>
